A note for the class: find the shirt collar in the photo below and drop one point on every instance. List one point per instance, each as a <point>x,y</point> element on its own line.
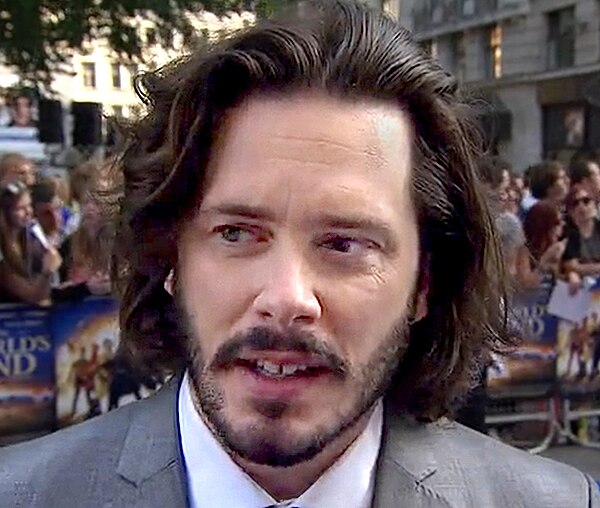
<point>215,480</point>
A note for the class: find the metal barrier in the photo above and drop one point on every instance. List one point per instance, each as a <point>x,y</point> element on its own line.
<point>542,370</point>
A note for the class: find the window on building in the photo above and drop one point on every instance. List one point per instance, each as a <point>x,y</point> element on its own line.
<point>132,69</point>
<point>89,74</point>
<point>467,8</point>
<point>437,11</point>
<point>492,52</point>
<point>561,38</point>
<point>457,55</point>
<point>118,111</point>
<point>116,76</point>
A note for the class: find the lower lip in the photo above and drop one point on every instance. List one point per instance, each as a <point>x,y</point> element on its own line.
<point>281,387</point>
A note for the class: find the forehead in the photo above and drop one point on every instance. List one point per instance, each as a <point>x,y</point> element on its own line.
<point>24,200</point>
<point>320,148</point>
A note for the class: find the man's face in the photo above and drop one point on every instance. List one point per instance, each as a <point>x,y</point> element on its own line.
<point>558,191</point>
<point>21,115</point>
<point>583,207</point>
<point>49,215</point>
<point>297,275</point>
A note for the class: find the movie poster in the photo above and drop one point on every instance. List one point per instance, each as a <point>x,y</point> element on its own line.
<point>579,350</point>
<point>26,370</point>
<point>533,363</point>
<point>90,379</point>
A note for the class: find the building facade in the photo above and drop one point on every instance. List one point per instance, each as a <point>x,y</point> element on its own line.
<point>97,75</point>
<point>537,62</point>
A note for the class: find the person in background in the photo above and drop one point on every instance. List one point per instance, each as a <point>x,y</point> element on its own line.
<point>510,199</point>
<point>504,202</point>
<point>26,267</point>
<point>15,167</point>
<point>527,200</point>
<point>21,112</point>
<point>548,181</point>
<point>543,229</point>
<point>89,259</point>
<point>62,187</point>
<point>582,252</point>
<point>47,210</point>
<point>586,172</point>
<point>92,243</point>
<point>81,180</point>
<point>518,181</point>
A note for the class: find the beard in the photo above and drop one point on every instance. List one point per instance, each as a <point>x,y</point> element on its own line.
<point>269,441</point>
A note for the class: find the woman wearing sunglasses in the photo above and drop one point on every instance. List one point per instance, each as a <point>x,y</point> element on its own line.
<point>27,268</point>
<point>582,254</point>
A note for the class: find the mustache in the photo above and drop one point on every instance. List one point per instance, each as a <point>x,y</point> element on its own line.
<point>266,339</point>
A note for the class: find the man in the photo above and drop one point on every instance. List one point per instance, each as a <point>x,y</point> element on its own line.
<point>547,181</point>
<point>301,233</point>
<point>47,209</point>
<point>15,167</point>
<point>587,174</point>
<point>20,112</point>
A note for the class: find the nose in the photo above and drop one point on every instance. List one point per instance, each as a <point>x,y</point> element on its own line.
<point>287,296</point>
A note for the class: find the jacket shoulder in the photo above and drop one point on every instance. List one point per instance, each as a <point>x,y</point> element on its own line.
<point>68,447</point>
<point>67,457</point>
<point>506,476</point>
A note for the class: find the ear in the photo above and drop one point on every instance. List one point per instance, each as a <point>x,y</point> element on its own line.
<point>169,282</point>
<point>420,305</point>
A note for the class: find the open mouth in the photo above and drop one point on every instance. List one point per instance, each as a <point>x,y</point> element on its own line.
<point>276,370</point>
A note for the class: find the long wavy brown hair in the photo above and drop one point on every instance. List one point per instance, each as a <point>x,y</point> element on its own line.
<point>12,247</point>
<point>347,50</point>
<point>538,226</point>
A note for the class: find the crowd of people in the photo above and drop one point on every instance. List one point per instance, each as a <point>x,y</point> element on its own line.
<point>53,245</point>
<point>547,219</point>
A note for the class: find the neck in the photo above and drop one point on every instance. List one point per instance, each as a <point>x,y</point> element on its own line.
<point>290,482</point>
<point>586,227</point>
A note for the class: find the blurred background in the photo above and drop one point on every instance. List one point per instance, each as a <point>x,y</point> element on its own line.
<point>68,74</point>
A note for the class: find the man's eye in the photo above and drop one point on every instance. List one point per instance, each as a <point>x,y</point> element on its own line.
<point>347,245</point>
<point>233,234</point>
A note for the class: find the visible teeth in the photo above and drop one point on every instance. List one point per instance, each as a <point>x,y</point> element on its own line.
<point>288,370</point>
<point>273,369</point>
<point>269,367</point>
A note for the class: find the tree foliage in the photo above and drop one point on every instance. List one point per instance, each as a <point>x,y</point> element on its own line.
<point>37,36</point>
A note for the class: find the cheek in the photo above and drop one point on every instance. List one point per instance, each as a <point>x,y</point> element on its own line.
<point>360,316</point>
<point>214,295</point>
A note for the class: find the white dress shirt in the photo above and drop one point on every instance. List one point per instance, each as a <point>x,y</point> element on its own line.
<point>214,480</point>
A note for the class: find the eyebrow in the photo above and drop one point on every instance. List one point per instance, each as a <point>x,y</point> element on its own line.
<point>322,219</point>
<point>350,221</point>
<point>238,210</point>
<point>356,222</point>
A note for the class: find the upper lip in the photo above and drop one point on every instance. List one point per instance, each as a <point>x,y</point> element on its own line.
<point>286,358</point>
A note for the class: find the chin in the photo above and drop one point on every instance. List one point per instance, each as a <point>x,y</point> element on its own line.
<point>281,433</point>
<point>275,444</point>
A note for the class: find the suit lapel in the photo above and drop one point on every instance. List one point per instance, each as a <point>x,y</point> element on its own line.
<point>407,462</point>
<point>151,459</point>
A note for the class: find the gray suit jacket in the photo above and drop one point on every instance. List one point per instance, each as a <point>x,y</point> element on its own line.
<point>131,458</point>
